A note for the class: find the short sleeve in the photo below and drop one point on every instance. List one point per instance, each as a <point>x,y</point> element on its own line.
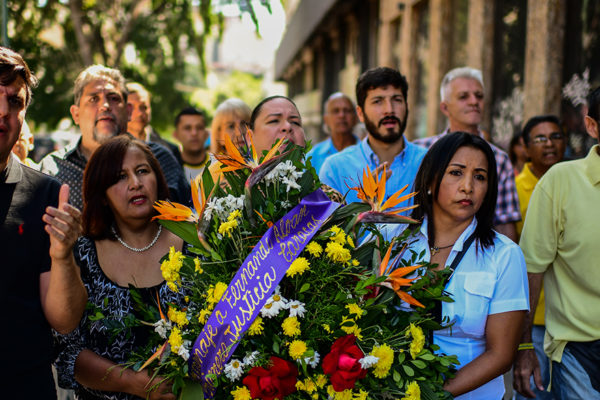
<point>539,239</point>
<point>511,292</point>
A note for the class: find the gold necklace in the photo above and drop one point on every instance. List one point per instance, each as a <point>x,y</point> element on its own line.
<point>435,249</point>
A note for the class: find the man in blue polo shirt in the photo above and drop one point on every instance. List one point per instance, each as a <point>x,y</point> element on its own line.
<point>339,119</point>
<point>381,94</point>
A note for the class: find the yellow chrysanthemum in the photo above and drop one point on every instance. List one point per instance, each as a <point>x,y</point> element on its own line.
<point>216,292</point>
<point>300,385</point>
<point>338,253</point>
<point>227,227</point>
<point>355,263</point>
<point>351,329</point>
<point>291,326</point>
<point>235,214</point>
<point>385,354</point>
<point>330,391</point>
<point>170,268</point>
<point>413,392</point>
<point>241,393</point>
<point>175,339</point>
<point>350,241</point>
<point>321,381</point>
<point>256,328</point>
<point>327,328</point>
<point>416,346</point>
<point>299,265</point>
<point>309,386</point>
<point>355,310</point>
<point>297,349</point>
<point>361,395</point>
<point>339,236</point>
<point>343,395</point>
<point>198,265</point>
<point>314,249</point>
<point>179,317</point>
<point>173,287</point>
<point>203,316</point>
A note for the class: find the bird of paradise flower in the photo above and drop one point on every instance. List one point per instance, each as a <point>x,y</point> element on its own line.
<point>372,191</point>
<point>174,216</point>
<point>397,278</point>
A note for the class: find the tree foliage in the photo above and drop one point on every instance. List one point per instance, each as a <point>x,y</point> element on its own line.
<point>151,41</point>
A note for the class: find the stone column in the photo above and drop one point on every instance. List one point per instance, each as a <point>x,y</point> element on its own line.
<point>480,49</point>
<point>388,12</point>
<point>440,32</point>
<point>409,61</point>
<point>543,57</point>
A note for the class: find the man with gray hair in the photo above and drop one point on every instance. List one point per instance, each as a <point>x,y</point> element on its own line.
<point>462,95</point>
<point>339,119</point>
<point>101,111</point>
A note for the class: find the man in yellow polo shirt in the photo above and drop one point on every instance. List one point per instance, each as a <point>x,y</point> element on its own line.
<point>545,145</point>
<point>561,248</point>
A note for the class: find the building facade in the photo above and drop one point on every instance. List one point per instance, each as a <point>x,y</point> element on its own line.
<point>527,50</point>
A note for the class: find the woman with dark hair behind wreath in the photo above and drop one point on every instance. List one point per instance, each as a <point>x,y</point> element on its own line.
<point>121,246</point>
<point>456,189</point>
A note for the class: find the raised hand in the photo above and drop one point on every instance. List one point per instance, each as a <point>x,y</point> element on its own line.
<point>63,224</point>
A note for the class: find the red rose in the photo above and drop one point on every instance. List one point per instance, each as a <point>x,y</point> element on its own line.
<point>342,363</point>
<point>275,383</point>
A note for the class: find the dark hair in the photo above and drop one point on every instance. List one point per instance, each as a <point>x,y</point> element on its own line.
<point>594,104</point>
<point>189,111</point>
<point>432,171</point>
<point>534,121</point>
<point>379,77</point>
<point>260,105</point>
<point>13,66</point>
<point>511,147</point>
<point>101,172</point>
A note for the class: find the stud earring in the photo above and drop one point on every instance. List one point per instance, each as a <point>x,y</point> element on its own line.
<point>429,192</point>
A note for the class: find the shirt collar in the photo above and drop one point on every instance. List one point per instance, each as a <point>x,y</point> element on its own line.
<point>529,180</point>
<point>370,154</point>
<point>13,171</point>
<point>592,165</point>
<point>458,245</point>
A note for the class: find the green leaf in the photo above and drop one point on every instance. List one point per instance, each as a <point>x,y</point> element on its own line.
<point>408,370</point>
<point>192,391</point>
<point>427,357</point>
<point>185,230</point>
<point>304,288</point>
<point>419,364</point>
<point>397,377</point>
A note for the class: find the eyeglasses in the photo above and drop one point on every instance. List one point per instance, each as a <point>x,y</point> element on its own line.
<point>555,137</point>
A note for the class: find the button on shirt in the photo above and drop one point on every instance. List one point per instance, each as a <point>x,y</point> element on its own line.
<point>507,204</point>
<point>345,169</point>
<point>485,282</point>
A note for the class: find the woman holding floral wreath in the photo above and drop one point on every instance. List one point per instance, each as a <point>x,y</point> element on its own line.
<point>121,247</point>
<point>456,192</point>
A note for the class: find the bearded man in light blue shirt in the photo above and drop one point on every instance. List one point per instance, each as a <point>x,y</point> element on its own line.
<point>381,94</point>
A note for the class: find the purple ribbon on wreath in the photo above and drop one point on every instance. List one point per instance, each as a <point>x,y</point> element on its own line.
<point>253,284</point>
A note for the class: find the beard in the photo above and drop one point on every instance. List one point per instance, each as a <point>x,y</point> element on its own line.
<point>393,135</point>
<point>119,128</point>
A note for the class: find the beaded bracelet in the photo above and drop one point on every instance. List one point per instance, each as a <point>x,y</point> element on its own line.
<point>525,346</point>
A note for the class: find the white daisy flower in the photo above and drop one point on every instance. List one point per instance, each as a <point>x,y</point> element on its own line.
<point>368,361</point>
<point>184,350</point>
<point>234,370</point>
<point>313,361</point>
<point>296,308</point>
<point>250,359</point>
<point>162,327</point>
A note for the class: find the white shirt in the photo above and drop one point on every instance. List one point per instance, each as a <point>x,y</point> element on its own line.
<point>489,281</point>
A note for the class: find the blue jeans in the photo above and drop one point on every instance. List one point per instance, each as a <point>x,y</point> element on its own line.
<point>537,336</point>
<point>570,381</point>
